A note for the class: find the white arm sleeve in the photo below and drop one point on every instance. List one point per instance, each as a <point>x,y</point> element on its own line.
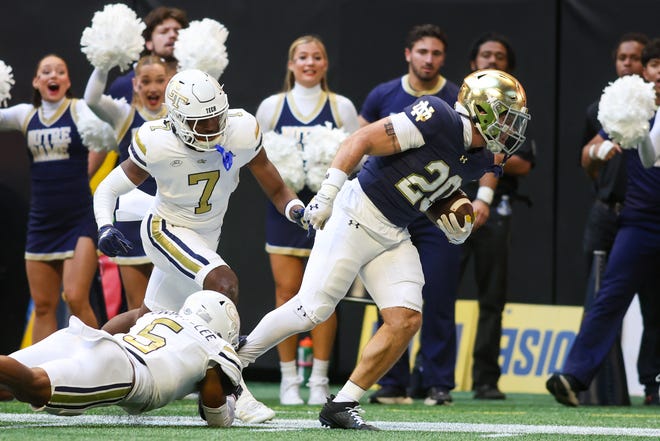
<point>13,118</point>
<point>105,107</point>
<point>408,135</point>
<point>106,194</point>
<point>348,114</point>
<point>222,416</point>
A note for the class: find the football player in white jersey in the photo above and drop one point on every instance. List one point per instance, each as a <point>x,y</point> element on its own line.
<point>195,156</point>
<point>79,367</point>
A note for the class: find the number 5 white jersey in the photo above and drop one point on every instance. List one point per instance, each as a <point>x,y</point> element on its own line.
<point>194,186</point>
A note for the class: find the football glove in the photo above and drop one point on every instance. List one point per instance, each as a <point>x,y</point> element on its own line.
<point>112,242</point>
<point>319,208</point>
<point>453,230</point>
<point>298,215</point>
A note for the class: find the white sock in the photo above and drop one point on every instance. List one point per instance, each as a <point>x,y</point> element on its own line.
<point>288,369</point>
<point>319,368</point>
<point>282,322</point>
<point>350,392</point>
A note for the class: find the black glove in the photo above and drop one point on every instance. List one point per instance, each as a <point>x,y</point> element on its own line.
<point>112,242</point>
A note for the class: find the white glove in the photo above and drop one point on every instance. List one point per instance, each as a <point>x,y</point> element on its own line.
<point>453,230</point>
<point>319,208</point>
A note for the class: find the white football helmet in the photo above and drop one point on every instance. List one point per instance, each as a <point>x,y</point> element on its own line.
<point>496,103</point>
<point>195,102</point>
<point>215,311</point>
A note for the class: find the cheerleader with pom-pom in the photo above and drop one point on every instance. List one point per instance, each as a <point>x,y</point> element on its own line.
<point>61,235</point>
<point>147,104</point>
<point>301,146</point>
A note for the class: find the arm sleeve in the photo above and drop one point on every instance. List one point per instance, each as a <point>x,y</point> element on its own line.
<point>14,117</point>
<point>407,133</point>
<point>108,109</point>
<point>348,114</point>
<point>106,194</point>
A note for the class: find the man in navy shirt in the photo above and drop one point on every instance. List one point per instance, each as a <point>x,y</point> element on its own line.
<point>416,157</point>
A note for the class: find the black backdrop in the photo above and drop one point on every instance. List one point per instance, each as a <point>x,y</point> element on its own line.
<point>564,61</point>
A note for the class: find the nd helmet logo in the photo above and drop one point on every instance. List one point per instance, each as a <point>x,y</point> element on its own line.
<point>177,99</point>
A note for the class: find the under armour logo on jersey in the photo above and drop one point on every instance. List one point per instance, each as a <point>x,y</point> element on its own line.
<point>463,159</point>
<point>351,222</point>
<point>422,111</point>
<point>201,161</point>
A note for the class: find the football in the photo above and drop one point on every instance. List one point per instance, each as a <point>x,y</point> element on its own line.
<point>458,203</point>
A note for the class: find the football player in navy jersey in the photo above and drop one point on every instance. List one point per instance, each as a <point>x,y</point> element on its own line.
<point>415,157</point>
<point>426,50</point>
<point>633,263</point>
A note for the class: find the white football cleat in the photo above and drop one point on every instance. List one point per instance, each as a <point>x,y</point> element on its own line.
<point>290,391</point>
<point>319,391</point>
<point>249,410</point>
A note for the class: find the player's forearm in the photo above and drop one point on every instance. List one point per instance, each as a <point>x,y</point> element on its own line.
<point>106,194</point>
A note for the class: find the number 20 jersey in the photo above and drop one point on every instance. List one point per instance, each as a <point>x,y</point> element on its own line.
<point>403,184</point>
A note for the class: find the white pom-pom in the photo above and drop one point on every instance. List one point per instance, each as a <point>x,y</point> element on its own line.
<point>6,81</point>
<point>114,39</point>
<point>96,134</point>
<point>625,108</point>
<point>321,144</point>
<point>202,46</point>
<point>284,153</point>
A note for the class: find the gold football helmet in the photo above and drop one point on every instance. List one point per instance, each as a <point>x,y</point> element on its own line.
<point>496,103</point>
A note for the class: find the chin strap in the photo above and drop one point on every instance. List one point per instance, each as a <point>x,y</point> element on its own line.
<point>227,156</point>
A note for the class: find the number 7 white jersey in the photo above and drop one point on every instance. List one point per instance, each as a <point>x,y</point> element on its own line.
<point>193,186</point>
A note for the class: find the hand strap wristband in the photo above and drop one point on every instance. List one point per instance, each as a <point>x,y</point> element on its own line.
<point>485,194</point>
<point>335,177</point>
<point>287,209</point>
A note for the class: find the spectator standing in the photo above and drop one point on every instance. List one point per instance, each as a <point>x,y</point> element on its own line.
<point>492,198</point>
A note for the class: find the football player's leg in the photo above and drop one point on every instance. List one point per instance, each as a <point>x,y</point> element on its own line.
<point>77,276</point>
<point>394,279</point>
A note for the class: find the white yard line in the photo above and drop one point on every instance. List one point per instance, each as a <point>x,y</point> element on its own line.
<point>494,430</point>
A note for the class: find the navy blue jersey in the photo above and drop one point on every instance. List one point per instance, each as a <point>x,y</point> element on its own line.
<point>403,184</point>
<point>392,96</point>
<point>133,123</point>
<point>122,87</point>
<point>642,200</point>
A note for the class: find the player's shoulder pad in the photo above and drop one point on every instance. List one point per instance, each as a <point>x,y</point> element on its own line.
<point>243,131</point>
<point>152,133</point>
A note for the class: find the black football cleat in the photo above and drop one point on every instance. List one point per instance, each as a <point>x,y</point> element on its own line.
<point>343,415</point>
<point>564,388</point>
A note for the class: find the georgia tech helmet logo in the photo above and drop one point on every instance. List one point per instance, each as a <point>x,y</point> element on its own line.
<point>176,98</point>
